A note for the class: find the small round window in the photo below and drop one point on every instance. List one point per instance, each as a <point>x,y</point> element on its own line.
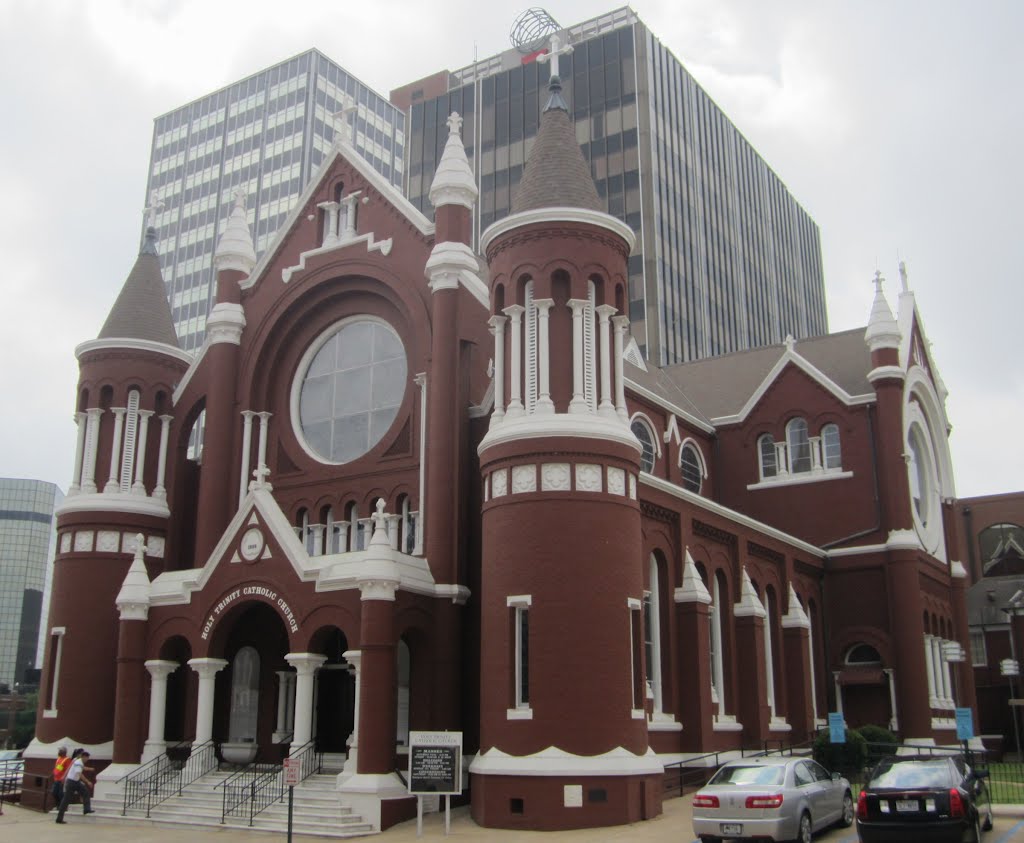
<point>350,389</point>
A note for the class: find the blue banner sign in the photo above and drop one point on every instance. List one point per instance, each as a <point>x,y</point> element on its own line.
<point>964,724</point>
<point>836,727</point>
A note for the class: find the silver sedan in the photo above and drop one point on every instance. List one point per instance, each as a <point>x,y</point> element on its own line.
<point>777,798</point>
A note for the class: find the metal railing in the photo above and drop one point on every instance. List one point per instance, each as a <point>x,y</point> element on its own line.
<point>267,788</point>
<point>693,773</point>
<point>310,759</point>
<point>162,778</point>
<point>238,791</point>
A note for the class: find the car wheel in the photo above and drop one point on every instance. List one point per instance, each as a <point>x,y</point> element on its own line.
<point>847,818</point>
<point>803,834</point>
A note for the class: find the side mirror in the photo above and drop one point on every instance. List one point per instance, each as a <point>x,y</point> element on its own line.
<point>836,777</point>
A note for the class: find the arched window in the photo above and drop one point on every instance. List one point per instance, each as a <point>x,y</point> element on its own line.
<point>863,654</point>
<point>642,431</point>
<point>767,456</point>
<point>1002,549</point>
<point>652,635</point>
<point>245,696</point>
<point>798,445</point>
<point>717,666</point>
<point>832,455</point>
<point>691,466</point>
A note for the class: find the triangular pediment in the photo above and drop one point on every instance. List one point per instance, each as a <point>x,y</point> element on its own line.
<point>342,161</point>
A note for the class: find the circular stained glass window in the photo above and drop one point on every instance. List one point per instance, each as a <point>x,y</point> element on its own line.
<point>351,389</point>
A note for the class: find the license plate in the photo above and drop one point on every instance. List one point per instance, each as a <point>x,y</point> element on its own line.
<point>732,829</point>
<point>906,805</point>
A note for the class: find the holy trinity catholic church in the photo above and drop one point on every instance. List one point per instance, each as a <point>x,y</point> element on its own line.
<point>437,489</point>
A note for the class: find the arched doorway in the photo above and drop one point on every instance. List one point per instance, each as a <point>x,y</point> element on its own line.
<point>865,688</point>
<point>253,640</point>
<point>334,706</point>
<point>179,717</point>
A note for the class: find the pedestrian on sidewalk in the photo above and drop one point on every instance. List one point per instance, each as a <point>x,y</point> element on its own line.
<point>76,781</point>
<point>60,769</point>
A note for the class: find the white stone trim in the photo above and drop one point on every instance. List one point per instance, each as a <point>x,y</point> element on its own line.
<point>97,751</point>
<point>451,264</point>
<point>225,324</point>
<point>886,373</point>
<point>114,502</point>
<point>557,762</point>
<point>555,215</point>
<point>524,713</point>
<point>800,478</point>
<point>579,426</point>
<point>132,345</point>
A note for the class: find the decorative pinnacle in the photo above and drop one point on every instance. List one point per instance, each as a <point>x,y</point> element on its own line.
<point>879,280</point>
<point>903,277</point>
<point>156,204</point>
<point>454,124</point>
<point>380,520</point>
<point>239,194</point>
<point>140,547</point>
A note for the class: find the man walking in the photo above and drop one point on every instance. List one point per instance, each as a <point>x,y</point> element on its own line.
<point>60,769</point>
<point>75,781</point>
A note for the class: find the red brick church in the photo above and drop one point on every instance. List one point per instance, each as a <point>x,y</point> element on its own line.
<point>409,486</point>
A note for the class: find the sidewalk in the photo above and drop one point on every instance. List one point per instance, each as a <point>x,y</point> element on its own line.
<point>19,824</point>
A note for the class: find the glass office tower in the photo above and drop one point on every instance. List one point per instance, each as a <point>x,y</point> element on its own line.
<point>268,134</point>
<point>725,260</point>
<point>28,544</point>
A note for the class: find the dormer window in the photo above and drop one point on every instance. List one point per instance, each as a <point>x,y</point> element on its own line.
<point>801,458</point>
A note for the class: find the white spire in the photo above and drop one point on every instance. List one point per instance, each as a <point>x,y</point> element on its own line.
<point>235,249</point>
<point>882,330</point>
<point>133,598</point>
<point>453,182</point>
<point>750,605</point>
<point>692,589</point>
<point>796,617</point>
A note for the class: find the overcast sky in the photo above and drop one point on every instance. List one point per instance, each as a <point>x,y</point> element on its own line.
<point>898,126</point>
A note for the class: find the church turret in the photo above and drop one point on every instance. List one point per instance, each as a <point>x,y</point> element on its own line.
<point>233,260</point>
<point>563,692</point>
<point>117,494</point>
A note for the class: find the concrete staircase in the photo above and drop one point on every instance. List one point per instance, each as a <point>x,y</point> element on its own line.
<point>317,809</point>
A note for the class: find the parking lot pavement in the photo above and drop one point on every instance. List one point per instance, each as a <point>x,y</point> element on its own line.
<point>18,825</point>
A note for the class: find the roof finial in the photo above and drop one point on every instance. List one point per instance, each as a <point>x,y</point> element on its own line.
<point>156,204</point>
<point>879,280</point>
<point>903,277</point>
<point>239,194</point>
<point>342,132</point>
<point>557,48</point>
<point>454,124</point>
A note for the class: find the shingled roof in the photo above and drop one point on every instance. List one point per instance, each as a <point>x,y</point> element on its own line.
<point>141,311</point>
<point>556,174</point>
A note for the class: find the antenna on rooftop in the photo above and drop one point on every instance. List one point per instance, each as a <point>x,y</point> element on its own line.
<point>531,31</point>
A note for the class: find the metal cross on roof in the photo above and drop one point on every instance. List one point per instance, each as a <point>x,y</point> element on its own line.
<point>156,204</point>
<point>557,49</point>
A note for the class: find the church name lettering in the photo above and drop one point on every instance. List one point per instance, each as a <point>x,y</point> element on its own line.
<point>250,591</point>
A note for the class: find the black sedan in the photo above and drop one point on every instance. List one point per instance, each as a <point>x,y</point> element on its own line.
<point>936,799</point>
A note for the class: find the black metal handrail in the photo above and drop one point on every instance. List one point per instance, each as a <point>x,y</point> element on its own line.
<point>310,759</point>
<point>266,789</point>
<point>163,778</point>
<point>234,790</point>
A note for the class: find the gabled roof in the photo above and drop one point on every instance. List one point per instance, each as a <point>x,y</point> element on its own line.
<point>344,150</point>
<point>141,311</point>
<point>724,389</point>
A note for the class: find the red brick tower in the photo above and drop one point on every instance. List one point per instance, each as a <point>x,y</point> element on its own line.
<point>563,737</point>
<point>118,492</point>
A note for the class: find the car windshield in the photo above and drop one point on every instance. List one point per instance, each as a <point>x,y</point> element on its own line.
<point>749,775</point>
<point>912,774</point>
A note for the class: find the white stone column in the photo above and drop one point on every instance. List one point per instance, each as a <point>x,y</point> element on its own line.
<point>421,381</point>
<point>894,721</point>
<point>114,479</point>
<point>283,684</point>
<point>497,324</point>
<point>243,480</point>
<point>515,387</point>
<point>578,404</point>
<point>139,486</point>
<point>604,313</point>
<point>544,402</point>
<point>330,233</point>
<point>92,431</point>
<point>159,491</point>
<point>306,665</point>
<point>159,670</point>
<point>351,203</point>
<point>262,456</point>
<point>76,473</point>
<point>839,692</point>
<point>929,663</point>
<point>207,670</point>
<point>394,528</point>
<point>289,717</point>
<point>353,657</point>
<point>619,323</point>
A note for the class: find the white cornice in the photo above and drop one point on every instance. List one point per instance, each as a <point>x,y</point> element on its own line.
<point>731,514</point>
<point>555,215</point>
<point>557,762</point>
<point>790,355</point>
<point>127,343</point>
<point>225,324</point>
<point>665,404</point>
<point>451,264</point>
<point>885,373</point>
<point>568,425</point>
<point>125,502</point>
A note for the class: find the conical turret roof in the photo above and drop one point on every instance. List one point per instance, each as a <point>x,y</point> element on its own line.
<point>556,174</point>
<point>141,311</point>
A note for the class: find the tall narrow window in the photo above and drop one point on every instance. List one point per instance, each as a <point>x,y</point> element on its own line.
<point>245,696</point>
<point>833,456</point>
<point>56,651</point>
<point>717,667</point>
<point>589,351</point>
<point>690,465</point>
<point>636,640</point>
<point>766,451</point>
<point>769,658</point>
<point>652,635</point>
<point>799,446</point>
<point>642,431</point>
<point>519,606</point>
<point>131,429</point>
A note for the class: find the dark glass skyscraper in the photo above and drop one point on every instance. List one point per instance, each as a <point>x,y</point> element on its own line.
<point>725,260</point>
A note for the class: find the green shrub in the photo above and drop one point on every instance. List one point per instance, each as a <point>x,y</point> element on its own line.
<point>881,743</point>
<point>845,758</point>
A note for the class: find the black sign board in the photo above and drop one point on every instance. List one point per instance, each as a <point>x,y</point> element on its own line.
<point>434,769</point>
